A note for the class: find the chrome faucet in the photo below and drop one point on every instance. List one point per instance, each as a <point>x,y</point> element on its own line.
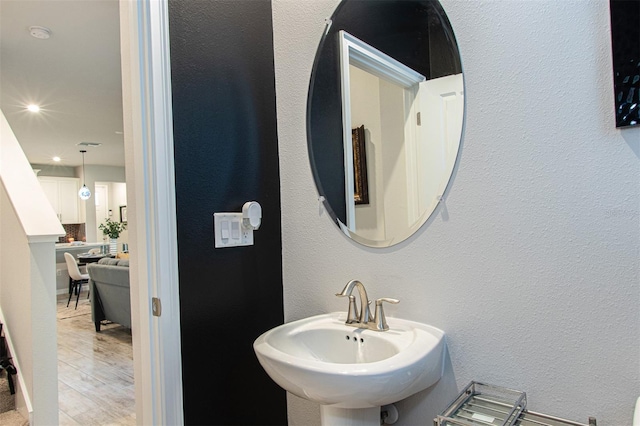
<point>354,316</point>
<point>362,318</point>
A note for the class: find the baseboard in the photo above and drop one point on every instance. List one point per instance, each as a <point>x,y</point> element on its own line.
<point>23,401</point>
<point>21,405</point>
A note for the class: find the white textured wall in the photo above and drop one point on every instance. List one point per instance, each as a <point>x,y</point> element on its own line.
<point>532,266</point>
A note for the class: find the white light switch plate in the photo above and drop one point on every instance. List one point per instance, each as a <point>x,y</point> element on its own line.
<point>228,231</point>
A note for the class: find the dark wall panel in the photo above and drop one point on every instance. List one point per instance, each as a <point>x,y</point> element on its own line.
<point>226,153</point>
<point>625,40</point>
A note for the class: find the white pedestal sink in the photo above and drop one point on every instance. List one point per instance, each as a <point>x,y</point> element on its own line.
<point>350,371</point>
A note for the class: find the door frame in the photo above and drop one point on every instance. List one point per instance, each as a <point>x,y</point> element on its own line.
<point>148,140</point>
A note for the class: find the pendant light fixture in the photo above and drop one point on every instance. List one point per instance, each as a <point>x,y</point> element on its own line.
<point>84,192</point>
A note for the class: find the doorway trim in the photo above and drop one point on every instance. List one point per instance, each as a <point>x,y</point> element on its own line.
<point>148,137</point>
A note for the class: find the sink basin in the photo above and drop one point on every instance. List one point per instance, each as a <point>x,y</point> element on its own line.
<point>323,360</point>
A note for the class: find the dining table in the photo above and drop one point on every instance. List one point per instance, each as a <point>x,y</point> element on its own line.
<point>84,258</point>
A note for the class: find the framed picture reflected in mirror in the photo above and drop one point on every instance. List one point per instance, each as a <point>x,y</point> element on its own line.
<point>361,184</point>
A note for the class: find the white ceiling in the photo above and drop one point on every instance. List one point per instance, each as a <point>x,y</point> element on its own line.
<point>74,76</point>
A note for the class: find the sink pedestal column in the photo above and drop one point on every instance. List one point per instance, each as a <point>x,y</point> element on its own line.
<point>332,416</point>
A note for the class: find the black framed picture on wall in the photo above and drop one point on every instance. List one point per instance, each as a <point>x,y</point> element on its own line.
<point>123,214</point>
<point>625,41</point>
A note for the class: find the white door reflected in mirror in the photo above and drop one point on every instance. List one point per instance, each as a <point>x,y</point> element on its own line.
<point>401,134</point>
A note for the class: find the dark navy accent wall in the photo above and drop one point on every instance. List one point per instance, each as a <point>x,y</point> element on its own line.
<point>226,153</point>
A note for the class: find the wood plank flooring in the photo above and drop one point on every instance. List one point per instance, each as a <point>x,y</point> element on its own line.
<point>95,370</point>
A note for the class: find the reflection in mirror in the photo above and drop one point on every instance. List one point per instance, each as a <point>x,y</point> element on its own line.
<point>383,92</point>
<point>384,163</point>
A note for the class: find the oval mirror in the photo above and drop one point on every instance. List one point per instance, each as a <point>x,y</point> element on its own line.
<point>384,116</point>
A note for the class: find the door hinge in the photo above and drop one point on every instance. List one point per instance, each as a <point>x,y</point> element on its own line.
<point>418,120</point>
<point>156,307</point>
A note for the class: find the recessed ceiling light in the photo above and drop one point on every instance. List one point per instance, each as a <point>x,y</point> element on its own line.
<point>33,108</point>
<point>56,159</point>
<point>40,32</point>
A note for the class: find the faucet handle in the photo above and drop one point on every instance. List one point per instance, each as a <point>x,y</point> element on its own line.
<point>352,314</point>
<point>379,318</point>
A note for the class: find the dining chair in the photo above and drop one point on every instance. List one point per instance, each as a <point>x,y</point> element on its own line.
<point>76,279</point>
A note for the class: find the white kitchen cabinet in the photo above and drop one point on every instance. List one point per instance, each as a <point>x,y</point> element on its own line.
<point>62,193</point>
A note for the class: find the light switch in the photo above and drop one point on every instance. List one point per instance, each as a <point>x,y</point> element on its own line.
<point>229,230</point>
<point>235,230</point>
<point>224,230</point>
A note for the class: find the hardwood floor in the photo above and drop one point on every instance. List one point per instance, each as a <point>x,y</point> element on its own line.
<point>95,370</point>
